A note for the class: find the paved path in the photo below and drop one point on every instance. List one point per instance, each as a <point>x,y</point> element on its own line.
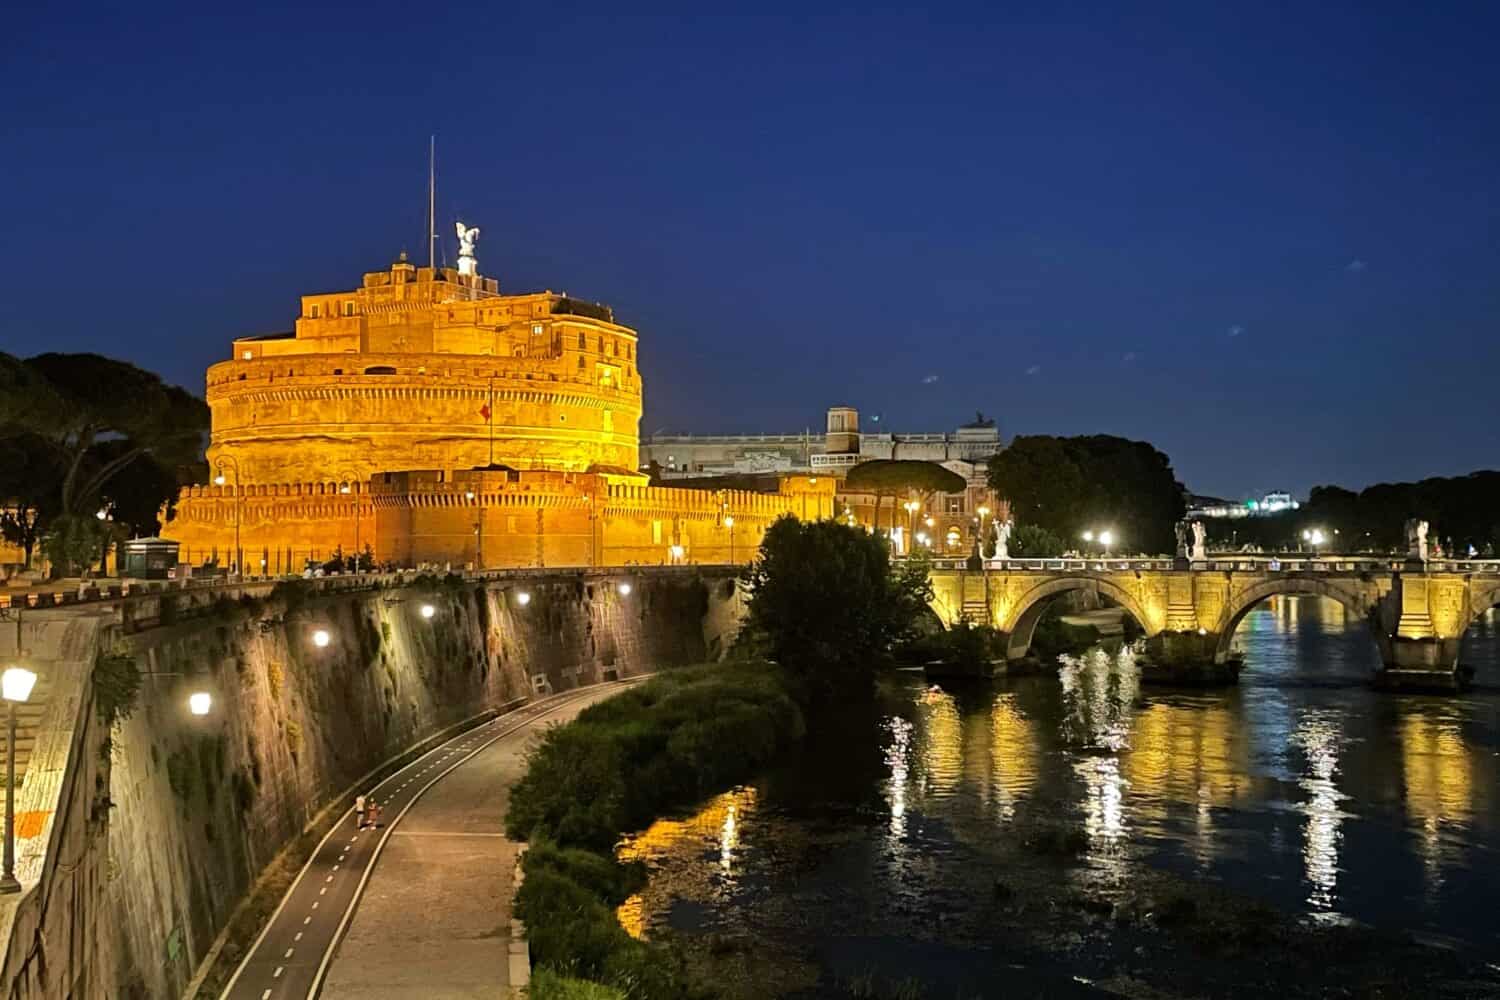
<point>439,904</point>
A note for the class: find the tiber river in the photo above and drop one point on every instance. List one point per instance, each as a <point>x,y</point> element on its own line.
<point>873,858</point>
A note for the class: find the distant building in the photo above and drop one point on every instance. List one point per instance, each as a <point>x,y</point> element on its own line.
<point>684,456</point>
<point>1215,507</point>
<point>947,524</point>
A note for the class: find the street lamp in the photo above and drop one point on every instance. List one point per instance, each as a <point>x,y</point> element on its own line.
<point>1106,539</point>
<point>239,504</point>
<point>911,520</point>
<point>523,598</point>
<point>428,611</point>
<point>623,589</point>
<point>1314,537</point>
<point>729,523</point>
<point>346,487</point>
<point>200,702</point>
<point>321,638</point>
<point>1088,536</point>
<point>478,531</point>
<point>15,684</point>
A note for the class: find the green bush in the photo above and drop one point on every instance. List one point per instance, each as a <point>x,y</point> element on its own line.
<point>664,745</point>
<point>548,985</point>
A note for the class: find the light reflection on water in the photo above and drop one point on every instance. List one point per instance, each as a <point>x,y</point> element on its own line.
<point>1300,786</point>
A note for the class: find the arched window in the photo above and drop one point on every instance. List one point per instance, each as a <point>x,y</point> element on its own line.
<point>380,370</point>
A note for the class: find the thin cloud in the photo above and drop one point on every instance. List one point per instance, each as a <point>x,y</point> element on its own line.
<point>1129,357</point>
<point>929,379</point>
<point>1236,330</point>
<point>1034,370</point>
<point>1355,266</point>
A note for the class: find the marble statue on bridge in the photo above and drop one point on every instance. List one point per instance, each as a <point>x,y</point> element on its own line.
<point>1002,540</point>
<point>1200,542</point>
<point>1416,539</point>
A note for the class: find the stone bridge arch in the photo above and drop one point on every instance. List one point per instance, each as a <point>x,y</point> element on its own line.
<point>1482,597</point>
<point>1020,623</point>
<point>1363,601</point>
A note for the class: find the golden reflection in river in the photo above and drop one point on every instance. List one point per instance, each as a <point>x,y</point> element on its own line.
<point>1013,755</point>
<point>1318,736</point>
<point>717,825</point>
<point>940,740</point>
<point>1439,789</point>
<point>1186,753</point>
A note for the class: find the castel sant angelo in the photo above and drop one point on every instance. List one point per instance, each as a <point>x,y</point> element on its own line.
<point>431,418</point>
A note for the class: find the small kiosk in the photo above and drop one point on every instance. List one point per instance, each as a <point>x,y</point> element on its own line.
<point>150,558</point>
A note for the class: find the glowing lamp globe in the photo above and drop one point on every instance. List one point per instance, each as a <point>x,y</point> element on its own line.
<point>624,589</point>
<point>428,611</point>
<point>199,702</point>
<point>523,598</point>
<point>16,683</point>
<point>321,638</point>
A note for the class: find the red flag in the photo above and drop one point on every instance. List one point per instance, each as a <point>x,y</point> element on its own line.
<point>484,411</point>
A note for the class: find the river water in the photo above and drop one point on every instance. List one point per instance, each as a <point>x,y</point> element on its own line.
<point>873,858</point>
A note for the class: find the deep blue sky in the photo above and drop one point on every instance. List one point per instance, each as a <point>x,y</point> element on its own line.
<point>1264,239</point>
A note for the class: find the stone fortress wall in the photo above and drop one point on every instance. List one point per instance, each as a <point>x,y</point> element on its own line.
<point>432,419</point>
<point>141,841</point>
<point>529,518</point>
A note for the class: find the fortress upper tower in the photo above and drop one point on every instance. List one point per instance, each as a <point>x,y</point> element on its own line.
<point>421,368</point>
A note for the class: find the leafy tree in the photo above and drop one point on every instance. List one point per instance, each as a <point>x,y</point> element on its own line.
<point>1069,485</point>
<point>78,431</point>
<point>1030,541</point>
<point>86,400</point>
<point>897,477</point>
<point>828,604</point>
<point>73,542</point>
<point>29,474</point>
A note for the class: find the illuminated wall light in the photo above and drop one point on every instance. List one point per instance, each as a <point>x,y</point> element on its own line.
<point>428,611</point>
<point>321,638</point>
<point>200,702</point>
<point>523,598</point>
<point>624,589</point>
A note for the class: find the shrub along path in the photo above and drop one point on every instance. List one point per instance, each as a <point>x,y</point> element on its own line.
<point>684,735</point>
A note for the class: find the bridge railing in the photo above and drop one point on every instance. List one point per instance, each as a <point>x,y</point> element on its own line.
<point>1300,562</point>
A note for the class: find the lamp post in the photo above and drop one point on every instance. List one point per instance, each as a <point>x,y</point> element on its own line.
<point>729,523</point>
<point>1106,538</point>
<point>346,487</point>
<point>239,504</point>
<point>478,529</point>
<point>15,684</point>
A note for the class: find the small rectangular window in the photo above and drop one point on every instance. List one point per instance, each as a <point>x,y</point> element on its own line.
<point>655,532</point>
<point>348,308</point>
<point>315,311</point>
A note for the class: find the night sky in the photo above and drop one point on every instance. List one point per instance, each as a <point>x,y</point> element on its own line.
<point>1265,239</point>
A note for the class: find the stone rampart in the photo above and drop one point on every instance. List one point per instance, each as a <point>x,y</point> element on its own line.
<point>156,831</point>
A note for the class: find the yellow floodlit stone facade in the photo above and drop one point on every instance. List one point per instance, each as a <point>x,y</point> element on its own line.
<point>431,418</point>
<point>399,374</point>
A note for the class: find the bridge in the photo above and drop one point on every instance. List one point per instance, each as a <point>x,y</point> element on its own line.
<point>1417,611</point>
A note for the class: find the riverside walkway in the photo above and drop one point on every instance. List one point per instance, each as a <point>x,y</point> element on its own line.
<point>419,907</point>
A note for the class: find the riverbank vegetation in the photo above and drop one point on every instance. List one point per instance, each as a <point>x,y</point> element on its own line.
<point>828,605</point>
<point>680,737</point>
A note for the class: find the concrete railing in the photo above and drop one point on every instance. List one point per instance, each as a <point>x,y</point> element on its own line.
<point>1292,563</point>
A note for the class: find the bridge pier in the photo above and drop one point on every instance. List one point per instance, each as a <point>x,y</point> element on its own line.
<point>1187,658</point>
<point>1421,664</point>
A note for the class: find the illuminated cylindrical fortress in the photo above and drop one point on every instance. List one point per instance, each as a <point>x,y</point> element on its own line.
<point>424,368</point>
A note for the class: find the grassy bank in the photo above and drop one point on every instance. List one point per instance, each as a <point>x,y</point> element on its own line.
<point>684,735</point>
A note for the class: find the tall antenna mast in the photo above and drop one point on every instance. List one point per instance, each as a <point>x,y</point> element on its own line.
<point>431,199</point>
